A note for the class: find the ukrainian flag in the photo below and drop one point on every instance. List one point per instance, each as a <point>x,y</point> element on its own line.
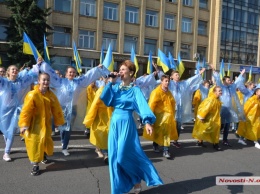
<point>134,60</point>
<point>0,61</point>
<point>150,64</point>
<point>163,61</point>
<point>222,69</point>
<point>250,74</point>
<point>46,51</point>
<point>77,58</point>
<point>172,62</point>
<point>228,70</point>
<point>29,48</point>
<point>101,59</point>
<point>109,60</point>
<point>180,66</point>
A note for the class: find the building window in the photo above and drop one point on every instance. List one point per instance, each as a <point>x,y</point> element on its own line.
<point>62,5</point>
<point>202,28</point>
<point>86,39</point>
<point>167,47</point>
<point>172,1</point>
<point>150,45</point>
<point>204,4</point>
<point>88,7</point>
<point>187,2</point>
<point>107,39</point>
<point>186,25</point>
<point>41,3</point>
<point>130,41</point>
<point>3,26</point>
<point>60,63</point>
<point>110,11</point>
<point>169,22</point>
<point>131,14</point>
<point>185,51</point>
<point>151,18</point>
<point>88,64</point>
<point>62,36</point>
<point>202,52</point>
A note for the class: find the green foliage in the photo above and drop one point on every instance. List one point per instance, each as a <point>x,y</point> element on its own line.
<point>26,17</point>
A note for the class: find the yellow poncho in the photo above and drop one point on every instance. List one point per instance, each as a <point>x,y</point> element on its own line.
<point>163,106</point>
<point>240,97</point>
<point>196,102</point>
<point>91,91</point>
<point>209,109</point>
<point>37,113</point>
<point>250,129</point>
<point>98,119</point>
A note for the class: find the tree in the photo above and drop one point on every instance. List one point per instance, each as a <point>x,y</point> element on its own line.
<point>26,17</point>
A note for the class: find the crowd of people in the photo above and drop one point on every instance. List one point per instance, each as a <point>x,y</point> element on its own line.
<point>40,101</point>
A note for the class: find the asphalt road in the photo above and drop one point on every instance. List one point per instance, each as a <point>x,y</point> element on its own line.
<point>193,169</point>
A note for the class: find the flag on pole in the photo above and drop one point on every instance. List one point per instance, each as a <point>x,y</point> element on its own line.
<point>172,62</point>
<point>228,70</point>
<point>150,64</point>
<point>180,66</point>
<point>29,48</point>
<point>250,74</point>
<point>134,60</point>
<point>222,69</point>
<point>101,59</point>
<point>109,60</point>
<point>77,58</point>
<point>46,51</point>
<point>163,61</point>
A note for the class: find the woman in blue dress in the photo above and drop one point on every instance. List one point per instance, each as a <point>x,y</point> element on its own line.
<point>128,164</point>
<point>13,89</point>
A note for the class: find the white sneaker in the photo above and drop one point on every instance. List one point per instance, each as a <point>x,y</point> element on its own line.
<point>6,157</point>
<point>53,133</point>
<point>65,152</point>
<point>257,145</point>
<point>241,141</point>
<point>56,130</point>
<point>99,153</point>
<point>182,127</point>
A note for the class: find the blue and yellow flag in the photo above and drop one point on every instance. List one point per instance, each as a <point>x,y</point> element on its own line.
<point>180,66</point>
<point>222,69</point>
<point>134,60</point>
<point>109,60</point>
<point>46,51</point>
<point>29,48</point>
<point>163,61</point>
<point>203,66</point>
<point>77,58</point>
<point>101,59</point>
<point>250,74</point>
<point>172,62</point>
<point>0,61</point>
<point>150,64</point>
<point>228,70</point>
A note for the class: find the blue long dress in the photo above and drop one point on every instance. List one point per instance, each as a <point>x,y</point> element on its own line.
<point>128,164</point>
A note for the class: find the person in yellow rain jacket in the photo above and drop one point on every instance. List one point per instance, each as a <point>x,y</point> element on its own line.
<point>40,105</point>
<point>98,120</point>
<point>207,124</point>
<point>162,104</point>
<point>250,129</point>
<point>200,95</point>
<point>91,91</point>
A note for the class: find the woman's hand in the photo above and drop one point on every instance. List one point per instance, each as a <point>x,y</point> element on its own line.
<point>149,129</point>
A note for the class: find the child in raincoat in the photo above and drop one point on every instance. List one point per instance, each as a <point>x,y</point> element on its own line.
<point>207,124</point>
<point>162,104</point>
<point>250,129</point>
<point>35,122</point>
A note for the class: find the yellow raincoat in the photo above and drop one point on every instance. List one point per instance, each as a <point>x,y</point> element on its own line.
<point>98,119</point>
<point>37,113</point>
<point>240,97</point>
<point>209,110</point>
<point>91,91</point>
<point>250,129</point>
<point>196,102</point>
<point>163,106</point>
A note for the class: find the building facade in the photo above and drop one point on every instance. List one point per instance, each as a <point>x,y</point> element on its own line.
<point>191,27</point>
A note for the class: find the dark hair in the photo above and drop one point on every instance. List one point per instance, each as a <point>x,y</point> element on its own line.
<point>206,82</point>
<point>165,77</point>
<point>130,65</point>
<point>225,77</point>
